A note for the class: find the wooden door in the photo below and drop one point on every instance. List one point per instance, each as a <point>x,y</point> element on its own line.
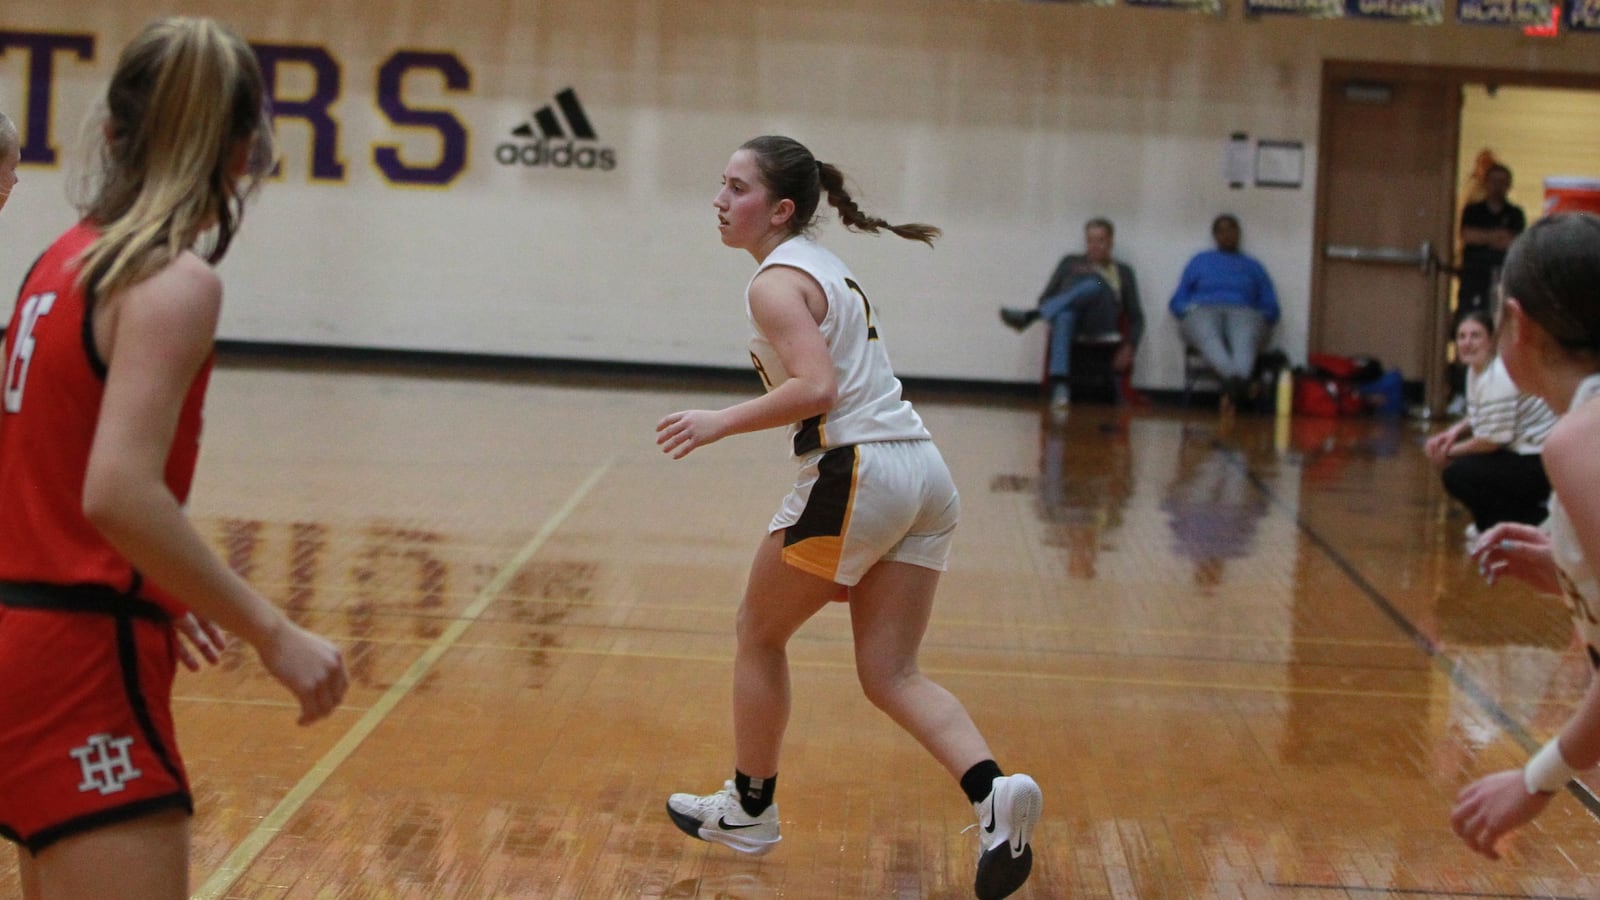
<point>1385,207</point>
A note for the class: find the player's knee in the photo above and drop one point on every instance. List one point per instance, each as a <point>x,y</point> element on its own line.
<point>885,686</point>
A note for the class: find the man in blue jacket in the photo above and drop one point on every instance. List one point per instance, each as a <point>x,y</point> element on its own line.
<point>1225,305</point>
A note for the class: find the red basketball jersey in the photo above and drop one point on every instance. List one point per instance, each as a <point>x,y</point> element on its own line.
<point>54,380</point>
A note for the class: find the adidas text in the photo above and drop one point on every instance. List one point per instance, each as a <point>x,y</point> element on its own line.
<point>565,155</point>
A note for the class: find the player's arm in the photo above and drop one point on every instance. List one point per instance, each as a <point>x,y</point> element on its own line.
<point>1574,471</point>
<point>1495,805</point>
<point>1472,445</point>
<point>786,305</point>
<point>160,333</point>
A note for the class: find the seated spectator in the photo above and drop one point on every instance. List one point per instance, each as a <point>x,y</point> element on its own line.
<point>1491,461</point>
<point>1225,305</point>
<point>1090,296</point>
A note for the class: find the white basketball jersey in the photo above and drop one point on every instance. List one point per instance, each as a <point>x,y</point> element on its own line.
<point>869,407</point>
<point>1578,584</point>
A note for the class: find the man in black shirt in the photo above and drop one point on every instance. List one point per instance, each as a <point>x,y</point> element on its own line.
<point>1487,228</point>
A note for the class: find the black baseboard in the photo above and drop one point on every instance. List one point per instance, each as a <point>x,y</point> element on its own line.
<point>566,370</point>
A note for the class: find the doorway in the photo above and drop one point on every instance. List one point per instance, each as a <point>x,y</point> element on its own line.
<point>1385,211</point>
<point>1397,148</point>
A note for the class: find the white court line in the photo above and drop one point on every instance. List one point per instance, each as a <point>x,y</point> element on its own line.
<point>245,854</point>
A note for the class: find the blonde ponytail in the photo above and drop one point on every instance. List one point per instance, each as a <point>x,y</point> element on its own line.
<point>185,100</point>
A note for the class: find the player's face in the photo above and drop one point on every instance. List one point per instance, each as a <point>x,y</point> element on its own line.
<point>744,206</point>
<point>8,175</point>
<point>1473,344</point>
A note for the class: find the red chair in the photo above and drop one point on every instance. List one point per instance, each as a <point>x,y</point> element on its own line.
<point>1090,374</point>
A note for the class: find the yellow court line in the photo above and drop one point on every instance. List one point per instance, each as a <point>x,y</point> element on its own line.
<point>254,843</point>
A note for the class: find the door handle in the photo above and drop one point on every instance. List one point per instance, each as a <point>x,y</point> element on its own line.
<point>1422,257</point>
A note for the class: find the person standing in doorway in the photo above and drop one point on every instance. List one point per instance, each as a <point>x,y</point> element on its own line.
<point>1488,227</point>
<point>869,520</point>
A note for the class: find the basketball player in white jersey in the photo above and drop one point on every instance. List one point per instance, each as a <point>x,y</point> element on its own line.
<point>870,518</point>
<point>1550,341</point>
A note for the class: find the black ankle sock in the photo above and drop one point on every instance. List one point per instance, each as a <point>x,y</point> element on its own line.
<point>979,780</point>
<point>755,794</point>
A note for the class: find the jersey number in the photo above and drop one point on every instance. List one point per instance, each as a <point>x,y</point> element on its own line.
<point>22,348</point>
<point>872,330</point>
<point>761,370</point>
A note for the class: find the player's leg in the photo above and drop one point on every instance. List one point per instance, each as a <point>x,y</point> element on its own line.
<point>778,600</point>
<point>27,874</point>
<point>889,613</point>
<point>146,858</point>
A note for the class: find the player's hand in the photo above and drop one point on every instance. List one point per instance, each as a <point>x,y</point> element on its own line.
<point>681,432</point>
<point>1518,551</point>
<point>1438,445</point>
<point>207,638</point>
<point>310,666</point>
<point>1492,807</point>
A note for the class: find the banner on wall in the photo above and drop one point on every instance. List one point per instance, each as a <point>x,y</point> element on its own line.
<point>1583,15</point>
<point>1314,9</point>
<point>1208,7</point>
<point>1412,12</point>
<point>1511,13</point>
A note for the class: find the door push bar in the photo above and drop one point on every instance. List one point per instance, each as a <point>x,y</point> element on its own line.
<point>1422,257</point>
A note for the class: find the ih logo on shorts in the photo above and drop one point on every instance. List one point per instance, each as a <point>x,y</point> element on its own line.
<point>105,762</point>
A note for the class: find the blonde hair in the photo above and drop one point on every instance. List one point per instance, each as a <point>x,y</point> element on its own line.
<point>185,98</point>
<point>10,140</point>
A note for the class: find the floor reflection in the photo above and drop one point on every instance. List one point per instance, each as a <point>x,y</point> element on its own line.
<point>1085,481</point>
<point>1213,506</point>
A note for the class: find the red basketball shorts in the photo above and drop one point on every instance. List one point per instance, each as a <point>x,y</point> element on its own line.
<point>86,736</point>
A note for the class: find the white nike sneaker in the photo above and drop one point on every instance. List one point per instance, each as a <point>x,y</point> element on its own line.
<point>720,819</point>
<point>1005,825</point>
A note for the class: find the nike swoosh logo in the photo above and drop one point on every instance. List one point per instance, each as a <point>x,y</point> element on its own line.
<point>990,827</point>
<point>725,825</point>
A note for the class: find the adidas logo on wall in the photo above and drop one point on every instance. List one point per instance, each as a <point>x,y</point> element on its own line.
<point>557,137</point>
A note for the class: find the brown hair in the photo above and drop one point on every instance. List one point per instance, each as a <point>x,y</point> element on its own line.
<point>1481,317</point>
<point>1553,271</point>
<point>790,172</point>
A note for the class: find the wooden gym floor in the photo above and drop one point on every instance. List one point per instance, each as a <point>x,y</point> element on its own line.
<point>1244,660</point>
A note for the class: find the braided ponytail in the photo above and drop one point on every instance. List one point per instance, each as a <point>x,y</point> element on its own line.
<point>854,219</point>
<point>790,172</point>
